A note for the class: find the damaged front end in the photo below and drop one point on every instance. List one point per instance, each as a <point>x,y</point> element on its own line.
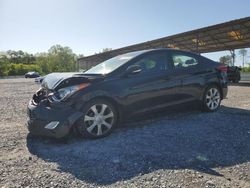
<point>50,113</point>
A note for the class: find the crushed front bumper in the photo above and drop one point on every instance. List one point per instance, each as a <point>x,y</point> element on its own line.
<point>62,115</point>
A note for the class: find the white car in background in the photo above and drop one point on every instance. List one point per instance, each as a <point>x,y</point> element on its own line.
<point>39,79</point>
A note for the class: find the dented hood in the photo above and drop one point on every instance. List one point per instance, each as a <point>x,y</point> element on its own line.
<point>55,81</point>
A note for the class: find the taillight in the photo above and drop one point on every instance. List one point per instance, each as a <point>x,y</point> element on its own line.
<point>222,68</point>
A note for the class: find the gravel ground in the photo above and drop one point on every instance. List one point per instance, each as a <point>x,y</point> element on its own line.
<point>180,149</point>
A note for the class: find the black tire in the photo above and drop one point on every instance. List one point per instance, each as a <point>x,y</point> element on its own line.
<point>215,99</point>
<point>83,126</point>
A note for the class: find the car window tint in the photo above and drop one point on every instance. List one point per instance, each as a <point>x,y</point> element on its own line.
<point>152,63</point>
<point>184,61</point>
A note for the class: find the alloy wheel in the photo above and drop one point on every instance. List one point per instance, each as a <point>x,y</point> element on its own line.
<point>99,119</point>
<point>213,98</point>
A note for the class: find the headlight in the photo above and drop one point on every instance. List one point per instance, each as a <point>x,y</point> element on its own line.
<point>64,93</point>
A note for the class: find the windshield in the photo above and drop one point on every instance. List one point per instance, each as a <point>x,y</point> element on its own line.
<point>112,64</point>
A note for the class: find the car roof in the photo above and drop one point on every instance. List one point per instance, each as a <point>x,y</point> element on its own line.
<point>164,49</point>
<point>141,52</point>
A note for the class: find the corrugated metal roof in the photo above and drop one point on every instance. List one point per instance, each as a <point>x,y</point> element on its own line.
<point>225,36</point>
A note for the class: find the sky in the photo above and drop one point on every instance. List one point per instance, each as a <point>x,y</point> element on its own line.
<point>88,26</point>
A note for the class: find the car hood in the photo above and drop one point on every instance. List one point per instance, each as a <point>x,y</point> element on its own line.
<point>55,81</point>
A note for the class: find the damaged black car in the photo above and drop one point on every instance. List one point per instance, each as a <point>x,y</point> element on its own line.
<point>95,101</point>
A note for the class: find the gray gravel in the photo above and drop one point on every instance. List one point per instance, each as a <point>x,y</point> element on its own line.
<point>180,149</point>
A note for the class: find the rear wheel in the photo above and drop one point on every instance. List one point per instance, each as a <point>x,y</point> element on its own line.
<point>211,99</point>
<point>99,119</point>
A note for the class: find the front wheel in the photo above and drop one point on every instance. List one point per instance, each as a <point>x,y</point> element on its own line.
<point>211,99</point>
<point>99,119</point>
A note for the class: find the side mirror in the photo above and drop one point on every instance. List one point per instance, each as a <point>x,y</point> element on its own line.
<point>132,69</point>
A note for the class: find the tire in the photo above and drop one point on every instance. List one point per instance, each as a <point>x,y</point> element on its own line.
<point>98,120</point>
<point>211,99</point>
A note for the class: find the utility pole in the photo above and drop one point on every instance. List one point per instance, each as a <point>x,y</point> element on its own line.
<point>233,55</point>
<point>243,63</point>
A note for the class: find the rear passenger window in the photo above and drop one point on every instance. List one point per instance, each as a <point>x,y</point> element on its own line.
<point>183,61</point>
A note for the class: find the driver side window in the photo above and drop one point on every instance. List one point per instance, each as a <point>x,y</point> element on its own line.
<point>152,63</point>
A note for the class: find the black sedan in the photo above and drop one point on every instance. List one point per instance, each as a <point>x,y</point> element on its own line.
<point>31,75</point>
<point>95,101</point>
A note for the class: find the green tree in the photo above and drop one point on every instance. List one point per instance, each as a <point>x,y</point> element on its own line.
<point>227,59</point>
<point>28,58</point>
<point>61,59</point>
<point>57,59</point>
<point>20,57</point>
<point>42,61</point>
<point>4,67</point>
<point>243,53</point>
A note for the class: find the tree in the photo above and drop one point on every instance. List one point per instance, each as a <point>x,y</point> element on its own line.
<point>57,59</point>
<point>243,53</point>
<point>61,59</point>
<point>20,57</point>
<point>28,58</point>
<point>43,61</point>
<point>227,59</point>
<point>4,65</point>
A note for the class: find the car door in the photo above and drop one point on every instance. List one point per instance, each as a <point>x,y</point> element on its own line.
<point>188,71</point>
<point>153,87</point>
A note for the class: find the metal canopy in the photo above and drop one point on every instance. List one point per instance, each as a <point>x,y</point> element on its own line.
<point>225,36</point>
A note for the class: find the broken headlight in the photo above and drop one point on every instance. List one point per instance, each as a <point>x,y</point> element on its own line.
<point>64,93</point>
